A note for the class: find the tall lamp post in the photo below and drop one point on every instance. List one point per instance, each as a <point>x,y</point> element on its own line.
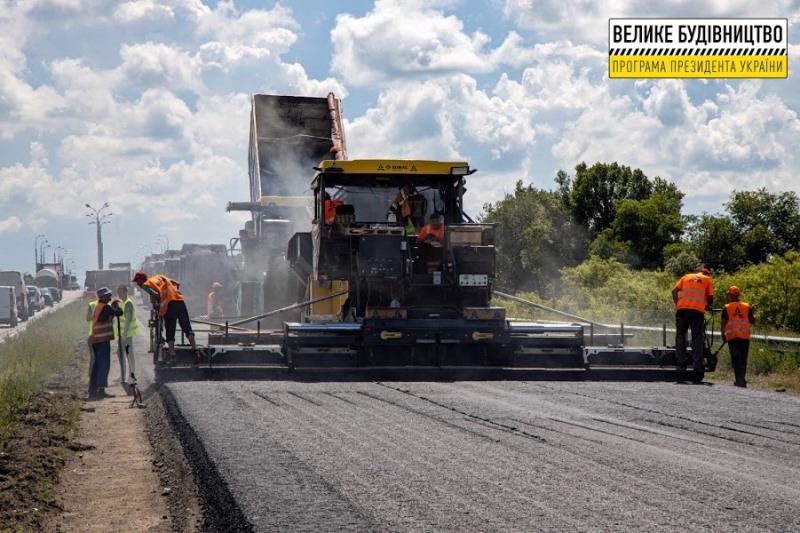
<point>57,253</point>
<point>98,219</point>
<point>166,242</point>
<point>36,250</point>
<point>42,247</point>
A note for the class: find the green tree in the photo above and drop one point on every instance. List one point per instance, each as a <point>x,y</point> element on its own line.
<point>649,225</point>
<point>596,191</point>
<point>536,237</point>
<point>717,243</point>
<point>769,224</point>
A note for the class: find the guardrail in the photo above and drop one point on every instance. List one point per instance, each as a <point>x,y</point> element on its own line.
<point>772,342</point>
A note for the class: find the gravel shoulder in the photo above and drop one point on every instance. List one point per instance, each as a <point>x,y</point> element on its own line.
<point>122,470</point>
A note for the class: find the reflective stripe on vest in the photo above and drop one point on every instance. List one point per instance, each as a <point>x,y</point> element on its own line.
<point>692,293</point>
<point>133,328</point>
<point>101,331</point>
<point>738,325</point>
<point>167,290</point>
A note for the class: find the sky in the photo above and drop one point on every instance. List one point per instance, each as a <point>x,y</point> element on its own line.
<point>144,105</point>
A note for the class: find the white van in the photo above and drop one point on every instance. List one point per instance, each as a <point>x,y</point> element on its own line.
<point>8,306</point>
<point>14,279</point>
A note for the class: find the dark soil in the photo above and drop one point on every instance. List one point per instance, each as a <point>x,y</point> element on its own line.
<point>36,448</point>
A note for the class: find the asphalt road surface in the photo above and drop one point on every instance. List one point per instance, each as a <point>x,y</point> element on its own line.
<point>497,456</point>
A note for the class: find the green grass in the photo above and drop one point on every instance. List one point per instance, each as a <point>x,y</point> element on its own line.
<point>28,361</point>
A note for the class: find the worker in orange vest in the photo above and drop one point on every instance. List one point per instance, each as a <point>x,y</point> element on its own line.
<point>172,307</point>
<point>693,295</point>
<point>737,317</point>
<point>432,234</point>
<point>329,207</point>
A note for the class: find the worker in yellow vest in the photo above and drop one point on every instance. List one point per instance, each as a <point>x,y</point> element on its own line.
<point>128,329</point>
<point>737,317</point>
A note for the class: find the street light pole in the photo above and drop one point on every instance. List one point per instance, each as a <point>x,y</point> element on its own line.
<point>99,219</point>
<point>45,244</point>
<point>36,250</point>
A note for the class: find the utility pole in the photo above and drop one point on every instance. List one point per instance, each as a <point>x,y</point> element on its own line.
<point>98,219</point>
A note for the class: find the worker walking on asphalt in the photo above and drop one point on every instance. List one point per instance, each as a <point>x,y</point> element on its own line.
<point>128,329</point>
<point>693,294</point>
<point>737,317</point>
<point>214,302</point>
<point>172,307</point>
<point>102,335</point>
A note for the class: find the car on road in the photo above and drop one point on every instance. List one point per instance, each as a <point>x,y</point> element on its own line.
<point>8,305</point>
<point>47,297</point>
<point>14,279</point>
<point>34,298</point>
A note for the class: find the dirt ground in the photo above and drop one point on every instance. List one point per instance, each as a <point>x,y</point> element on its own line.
<point>122,470</point>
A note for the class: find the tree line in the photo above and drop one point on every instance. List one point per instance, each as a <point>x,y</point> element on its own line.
<point>610,214</point>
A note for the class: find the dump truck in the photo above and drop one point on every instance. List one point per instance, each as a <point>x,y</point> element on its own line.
<point>341,263</point>
<point>288,136</point>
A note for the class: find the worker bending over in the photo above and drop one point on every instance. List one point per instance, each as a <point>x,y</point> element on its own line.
<point>172,307</point>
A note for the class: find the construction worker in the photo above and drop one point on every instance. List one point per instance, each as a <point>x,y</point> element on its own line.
<point>693,295</point>
<point>737,317</point>
<point>432,234</point>
<point>214,302</point>
<point>330,206</point>
<point>128,329</point>
<point>172,307</point>
<point>102,335</point>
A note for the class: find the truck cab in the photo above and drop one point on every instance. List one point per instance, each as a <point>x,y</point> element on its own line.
<point>367,218</point>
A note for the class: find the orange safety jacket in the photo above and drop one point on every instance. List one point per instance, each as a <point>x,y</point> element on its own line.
<point>166,289</point>
<point>330,210</point>
<point>738,325</point>
<point>694,290</point>
<point>438,233</point>
<point>101,331</point>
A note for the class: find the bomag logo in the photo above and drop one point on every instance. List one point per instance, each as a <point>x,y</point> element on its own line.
<point>389,167</point>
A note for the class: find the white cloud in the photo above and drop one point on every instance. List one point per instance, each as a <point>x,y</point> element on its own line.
<point>10,225</point>
<point>586,21</point>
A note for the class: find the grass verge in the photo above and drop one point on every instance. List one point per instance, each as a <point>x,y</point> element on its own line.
<point>30,359</point>
<point>42,381</point>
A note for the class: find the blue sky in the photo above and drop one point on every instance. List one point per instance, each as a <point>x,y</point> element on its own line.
<point>144,105</point>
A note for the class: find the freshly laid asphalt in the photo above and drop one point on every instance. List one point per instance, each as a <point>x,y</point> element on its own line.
<point>493,456</point>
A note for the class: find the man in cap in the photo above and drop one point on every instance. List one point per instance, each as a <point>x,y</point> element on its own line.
<point>171,307</point>
<point>737,317</point>
<point>693,294</point>
<point>214,302</point>
<point>101,337</point>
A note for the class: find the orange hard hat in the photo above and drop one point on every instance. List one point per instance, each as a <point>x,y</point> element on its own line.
<point>734,291</point>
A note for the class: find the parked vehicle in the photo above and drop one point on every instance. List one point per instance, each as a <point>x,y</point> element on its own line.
<point>14,279</point>
<point>47,297</point>
<point>34,298</point>
<point>8,306</point>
